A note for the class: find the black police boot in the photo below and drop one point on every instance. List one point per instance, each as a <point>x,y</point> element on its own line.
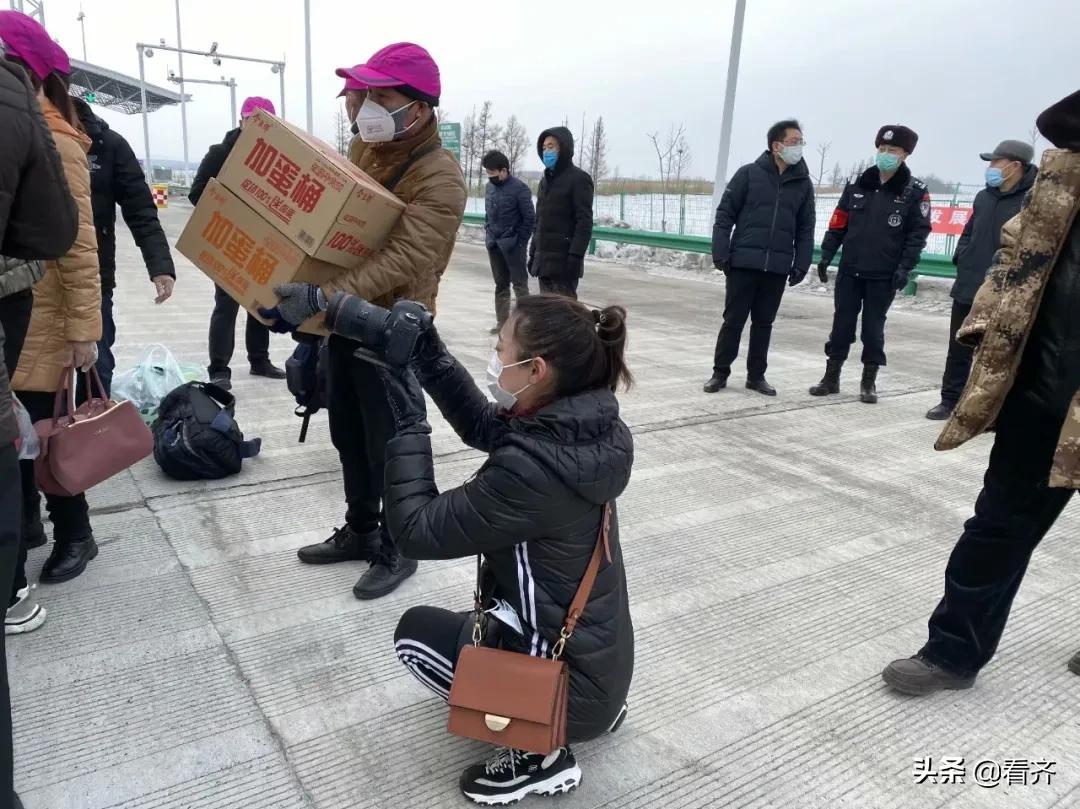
<point>830,383</point>
<point>68,559</point>
<point>344,545</point>
<point>868,388</point>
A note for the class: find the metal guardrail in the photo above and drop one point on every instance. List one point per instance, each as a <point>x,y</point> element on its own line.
<point>929,266</point>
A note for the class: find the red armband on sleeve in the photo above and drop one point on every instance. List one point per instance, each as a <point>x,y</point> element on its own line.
<point>838,220</point>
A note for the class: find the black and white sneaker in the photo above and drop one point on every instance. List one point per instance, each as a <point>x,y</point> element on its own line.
<point>509,775</point>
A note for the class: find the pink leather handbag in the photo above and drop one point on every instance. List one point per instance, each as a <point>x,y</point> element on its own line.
<point>91,443</point>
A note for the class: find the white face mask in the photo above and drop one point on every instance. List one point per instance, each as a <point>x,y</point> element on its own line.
<point>791,154</point>
<point>376,124</point>
<point>503,398</point>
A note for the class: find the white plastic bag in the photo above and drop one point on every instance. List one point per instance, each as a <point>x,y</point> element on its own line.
<point>155,374</point>
<point>28,443</point>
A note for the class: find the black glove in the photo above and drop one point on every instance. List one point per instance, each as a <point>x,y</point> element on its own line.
<point>721,265</point>
<point>823,273</point>
<point>900,279</point>
<point>796,277</point>
<point>432,357</point>
<point>406,399</point>
<point>296,303</point>
<point>575,266</point>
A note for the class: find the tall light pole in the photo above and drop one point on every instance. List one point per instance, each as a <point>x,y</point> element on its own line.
<point>183,103</point>
<point>307,63</point>
<point>145,116</point>
<point>82,24</point>
<point>729,103</point>
<point>279,68</point>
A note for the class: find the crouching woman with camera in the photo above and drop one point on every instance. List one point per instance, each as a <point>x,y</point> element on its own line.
<point>558,457</point>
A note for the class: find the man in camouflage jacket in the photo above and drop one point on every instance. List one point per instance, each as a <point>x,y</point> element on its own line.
<point>1025,386</point>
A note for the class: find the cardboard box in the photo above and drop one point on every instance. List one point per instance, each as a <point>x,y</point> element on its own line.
<point>327,206</point>
<point>247,256</point>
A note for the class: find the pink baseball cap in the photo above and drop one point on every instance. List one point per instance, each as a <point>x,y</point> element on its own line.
<point>252,103</point>
<point>403,65</point>
<point>27,39</point>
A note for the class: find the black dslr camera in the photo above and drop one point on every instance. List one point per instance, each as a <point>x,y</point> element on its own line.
<point>389,336</point>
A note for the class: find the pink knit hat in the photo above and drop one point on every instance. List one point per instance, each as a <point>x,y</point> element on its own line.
<point>404,66</point>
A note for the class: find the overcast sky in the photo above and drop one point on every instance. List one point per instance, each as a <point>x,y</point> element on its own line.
<point>963,73</point>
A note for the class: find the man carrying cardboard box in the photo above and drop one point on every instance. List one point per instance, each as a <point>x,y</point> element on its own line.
<point>391,101</point>
<point>223,319</point>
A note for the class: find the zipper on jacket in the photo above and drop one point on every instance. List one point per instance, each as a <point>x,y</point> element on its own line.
<point>772,227</point>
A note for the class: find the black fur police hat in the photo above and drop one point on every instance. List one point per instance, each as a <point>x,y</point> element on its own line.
<point>897,135</point>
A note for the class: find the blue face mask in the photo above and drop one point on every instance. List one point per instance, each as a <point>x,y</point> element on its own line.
<point>550,159</point>
<point>994,177</point>
<point>887,162</point>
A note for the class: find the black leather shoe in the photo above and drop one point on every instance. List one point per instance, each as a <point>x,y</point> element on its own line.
<point>939,412</point>
<point>383,577</point>
<point>1074,664</point>
<point>761,386</point>
<point>267,369</point>
<point>715,383</point>
<point>33,534</point>
<point>917,676</point>
<point>344,545</point>
<point>68,559</point>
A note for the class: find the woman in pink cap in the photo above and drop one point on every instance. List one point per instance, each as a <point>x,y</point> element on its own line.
<point>65,321</point>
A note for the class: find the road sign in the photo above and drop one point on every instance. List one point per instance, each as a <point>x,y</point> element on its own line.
<point>451,139</point>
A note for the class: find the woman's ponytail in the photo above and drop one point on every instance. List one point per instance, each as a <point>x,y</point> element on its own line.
<point>611,329</point>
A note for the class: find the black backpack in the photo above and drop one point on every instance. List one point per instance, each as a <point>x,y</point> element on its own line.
<point>305,375</point>
<point>195,434</point>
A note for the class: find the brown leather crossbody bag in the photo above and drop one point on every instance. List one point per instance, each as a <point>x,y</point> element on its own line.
<point>513,699</point>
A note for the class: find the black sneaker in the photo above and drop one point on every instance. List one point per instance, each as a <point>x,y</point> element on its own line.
<point>383,577</point>
<point>509,775</point>
<point>267,369</point>
<point>344,545</point>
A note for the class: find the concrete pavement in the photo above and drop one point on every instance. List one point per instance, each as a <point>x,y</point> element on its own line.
<point>779,553</point>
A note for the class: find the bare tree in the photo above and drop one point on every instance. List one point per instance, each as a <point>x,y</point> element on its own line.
<point>469,149</point>
<point>1034,134</point>
<point>342,135</point>
<point>597,151</point>
<point>441,115</point>
<point>667,154</point>
<point>513,142</point>
<point>488,134</point>
<point>837,176</point>
<point>680,160</point>
<point>822,150</point>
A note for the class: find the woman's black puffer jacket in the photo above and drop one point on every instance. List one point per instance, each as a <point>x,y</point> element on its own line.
<point>533,510</point>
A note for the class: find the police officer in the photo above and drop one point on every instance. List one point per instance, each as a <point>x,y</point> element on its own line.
<point>882,220</point>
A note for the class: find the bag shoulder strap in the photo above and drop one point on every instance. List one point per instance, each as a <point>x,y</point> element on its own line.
<point>581,597</point>
<point>391,184</point>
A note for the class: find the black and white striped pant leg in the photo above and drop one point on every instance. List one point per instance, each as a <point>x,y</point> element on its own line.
<point>427,641</point>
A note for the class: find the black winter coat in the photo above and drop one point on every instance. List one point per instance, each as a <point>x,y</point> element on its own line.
<point>773,216</point>
<point>38,216</point>
<point>211,165</point>
<point>883,228</point>
<point>982,234</point>
<point>533,510</point>
<point>564,215</point>
<point>116,178</point>
<point>509,216</point>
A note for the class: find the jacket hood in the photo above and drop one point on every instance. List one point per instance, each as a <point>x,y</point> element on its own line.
<point>1060,123</point>
<point>871,179</point>
<point>582,441</point>
<point>95,127</point>
<point>799,171</point>
<point>566,144</point>
<point>231,137</point>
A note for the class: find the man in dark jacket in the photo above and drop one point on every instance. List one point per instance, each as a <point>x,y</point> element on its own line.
<point>564,216</point>
<point>116,178</point>
<point>1009,177</point>
<point>508,223</point>
<point>1025,387</point>
<point>38,220</point>
<point>882,220</point>
<point>770,203</point>
<point>223,319</point>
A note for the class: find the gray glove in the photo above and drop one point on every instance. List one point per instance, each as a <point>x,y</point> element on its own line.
<point>296,303</point>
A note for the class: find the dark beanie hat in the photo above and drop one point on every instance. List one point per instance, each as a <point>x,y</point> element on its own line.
<point>897,135</point>
<point>1060,123</point>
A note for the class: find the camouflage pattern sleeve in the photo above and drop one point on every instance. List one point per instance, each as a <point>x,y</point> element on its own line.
<point>989,295</point>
